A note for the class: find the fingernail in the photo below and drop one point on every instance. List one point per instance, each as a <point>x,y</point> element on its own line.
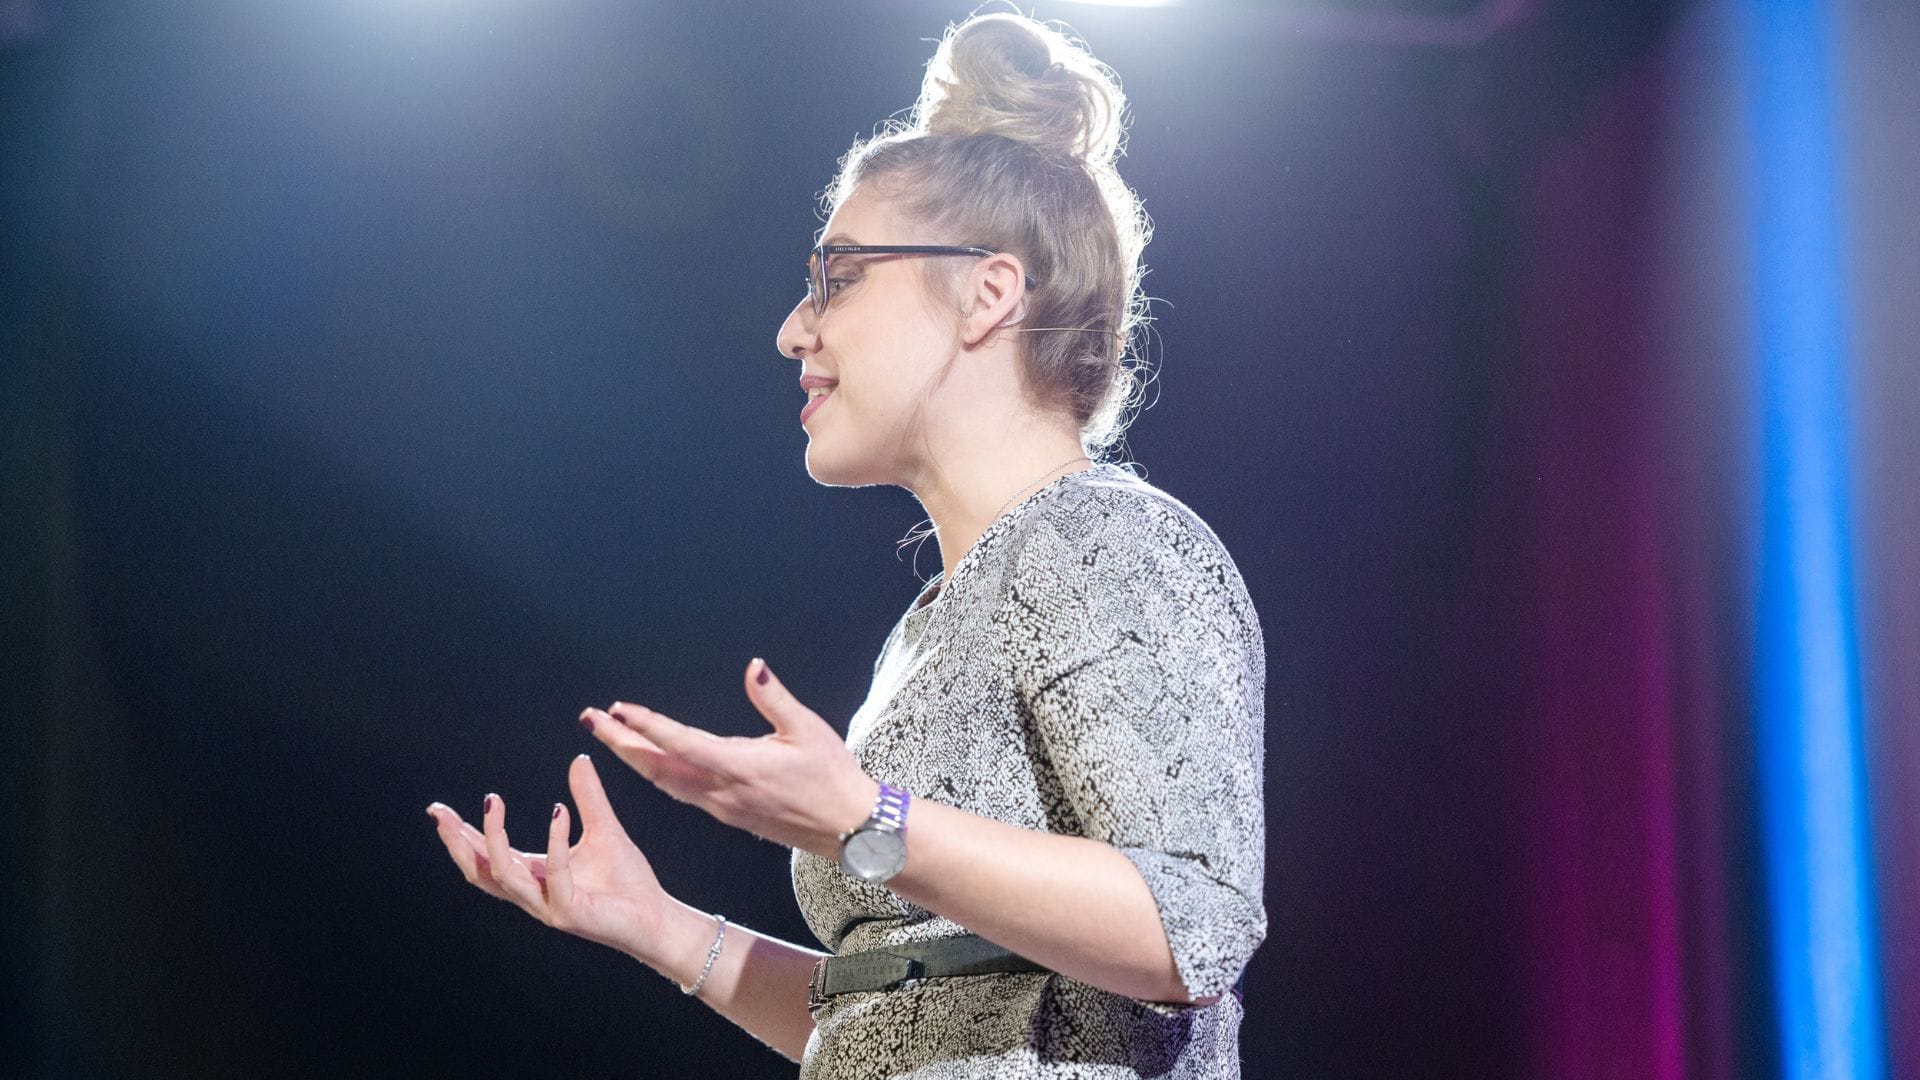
<point>556,809</point>
<point>486,807</point>
<point>586,721</point>
<point>764,674</point>
<point>430,807</point>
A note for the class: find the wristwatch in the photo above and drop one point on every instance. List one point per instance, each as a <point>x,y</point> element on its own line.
<point>876,849</point>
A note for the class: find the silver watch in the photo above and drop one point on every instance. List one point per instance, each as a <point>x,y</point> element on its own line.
<point>876,849</point>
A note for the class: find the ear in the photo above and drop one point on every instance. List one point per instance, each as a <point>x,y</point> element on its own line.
<point>995,295</point>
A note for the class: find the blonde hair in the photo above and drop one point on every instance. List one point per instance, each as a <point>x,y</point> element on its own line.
<point>1012,146</point>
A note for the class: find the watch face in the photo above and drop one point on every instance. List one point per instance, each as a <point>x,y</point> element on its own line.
<point>874,854</point>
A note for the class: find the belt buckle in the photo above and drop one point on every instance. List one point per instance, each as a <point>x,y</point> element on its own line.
<point>817,985</point>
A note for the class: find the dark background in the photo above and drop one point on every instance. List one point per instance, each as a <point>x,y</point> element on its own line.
<point>387,381</point>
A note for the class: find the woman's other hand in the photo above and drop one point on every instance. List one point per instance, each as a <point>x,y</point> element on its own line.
<point>799,785</point>
<point>602,888</point>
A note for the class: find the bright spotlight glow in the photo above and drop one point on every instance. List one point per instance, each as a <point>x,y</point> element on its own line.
<point>1127,3</point>
<point>1812,767</point>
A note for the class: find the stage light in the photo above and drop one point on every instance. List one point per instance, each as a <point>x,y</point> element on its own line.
<point>1812,767</point>
<point>1127,3</point>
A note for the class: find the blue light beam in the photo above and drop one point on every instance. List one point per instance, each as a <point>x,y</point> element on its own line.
<point>1812,766</point>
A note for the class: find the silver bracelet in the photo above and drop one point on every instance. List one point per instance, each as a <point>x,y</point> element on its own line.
<point>713,953</point>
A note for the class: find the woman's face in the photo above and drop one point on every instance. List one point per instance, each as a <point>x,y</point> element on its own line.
<point>878,353</point>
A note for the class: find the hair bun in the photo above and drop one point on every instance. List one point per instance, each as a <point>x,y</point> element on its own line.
<point>1008,75</point>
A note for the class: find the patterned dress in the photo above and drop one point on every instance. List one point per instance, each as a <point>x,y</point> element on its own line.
<point>1094,667</point>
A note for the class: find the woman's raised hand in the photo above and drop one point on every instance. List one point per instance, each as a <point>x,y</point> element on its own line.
<point>602,888</point>
<point>798,785</point>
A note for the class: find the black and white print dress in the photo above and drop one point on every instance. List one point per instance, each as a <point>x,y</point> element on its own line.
<point>1094,667</point>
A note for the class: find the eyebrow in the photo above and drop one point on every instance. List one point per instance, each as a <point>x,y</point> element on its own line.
<point>840,238</point>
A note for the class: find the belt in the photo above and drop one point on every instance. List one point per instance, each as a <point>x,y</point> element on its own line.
<point>885,969</point>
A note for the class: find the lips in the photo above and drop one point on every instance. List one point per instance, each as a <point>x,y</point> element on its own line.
<point>813,405</point>
<point>824,387</point>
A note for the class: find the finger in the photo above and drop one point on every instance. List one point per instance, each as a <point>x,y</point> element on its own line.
<point>477,842</point>
<point>464,844</point>
<point>596,813</point>
<point>459,837</point>
<point>701,749</point>
<point>677,777</point>
<point>775,702</point>
<point>475,837</point>
<point>681,779</point>
<point>508,869</point>
<point>558,881</point>
<point>614,732</point>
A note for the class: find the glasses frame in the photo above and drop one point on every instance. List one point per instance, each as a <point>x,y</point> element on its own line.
<point>819,289</point>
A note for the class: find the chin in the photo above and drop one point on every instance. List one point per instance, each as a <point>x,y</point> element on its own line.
<point>839,470</point>
<point>826,469</point>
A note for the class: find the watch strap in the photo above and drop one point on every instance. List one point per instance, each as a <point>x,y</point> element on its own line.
<point>890,809</point>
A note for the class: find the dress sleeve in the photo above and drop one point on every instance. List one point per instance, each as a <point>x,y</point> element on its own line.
<point>1139,662</point>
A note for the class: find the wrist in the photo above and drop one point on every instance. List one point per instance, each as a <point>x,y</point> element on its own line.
<point>678,946</point>
<point>854,807</point>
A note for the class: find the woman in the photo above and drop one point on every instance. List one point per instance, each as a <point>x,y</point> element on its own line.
<point>1039,850</point>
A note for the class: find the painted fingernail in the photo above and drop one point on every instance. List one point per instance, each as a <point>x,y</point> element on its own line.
<point>764,674</point>
<point>486,807</point>
<point>586,721</point>
<point>556,809</point>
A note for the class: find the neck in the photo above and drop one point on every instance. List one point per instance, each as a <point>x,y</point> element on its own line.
<point>971,491</point>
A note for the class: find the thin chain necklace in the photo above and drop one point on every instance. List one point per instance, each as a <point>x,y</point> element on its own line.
<point>1005,506</point>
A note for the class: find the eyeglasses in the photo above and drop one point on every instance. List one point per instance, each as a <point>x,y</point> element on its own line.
<point>820,285</point>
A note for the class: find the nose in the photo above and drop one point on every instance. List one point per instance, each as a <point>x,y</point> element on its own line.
<point>800,334</point>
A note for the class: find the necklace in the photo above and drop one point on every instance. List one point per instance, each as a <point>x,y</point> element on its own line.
<point>1005,506</point>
